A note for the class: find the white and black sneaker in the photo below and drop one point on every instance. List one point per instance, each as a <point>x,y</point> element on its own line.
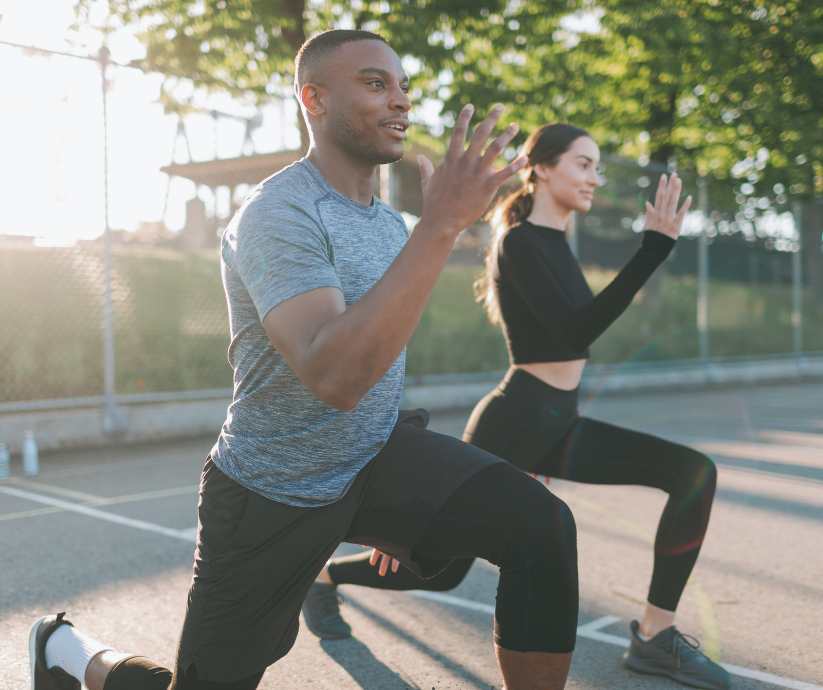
<point>42,677</point>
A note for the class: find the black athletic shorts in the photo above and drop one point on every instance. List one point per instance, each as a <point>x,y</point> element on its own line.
<point>256,559</point>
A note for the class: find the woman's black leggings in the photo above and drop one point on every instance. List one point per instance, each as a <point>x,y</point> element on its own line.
<point>519,421</point>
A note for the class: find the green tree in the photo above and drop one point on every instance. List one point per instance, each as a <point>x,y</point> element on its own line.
<point>730,89</point>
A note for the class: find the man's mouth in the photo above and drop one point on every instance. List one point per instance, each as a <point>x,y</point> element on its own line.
<point>396,127</point>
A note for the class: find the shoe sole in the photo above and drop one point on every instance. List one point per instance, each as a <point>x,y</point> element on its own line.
<point>650,670</point>
<point>33,649</point>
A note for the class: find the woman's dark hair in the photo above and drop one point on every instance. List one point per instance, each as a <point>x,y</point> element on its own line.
<point>544,146</point>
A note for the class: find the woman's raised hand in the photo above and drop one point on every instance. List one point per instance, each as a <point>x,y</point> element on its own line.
<point>664,216</point>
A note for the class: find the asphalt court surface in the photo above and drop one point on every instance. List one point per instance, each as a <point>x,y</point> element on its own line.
<point>107,536</point>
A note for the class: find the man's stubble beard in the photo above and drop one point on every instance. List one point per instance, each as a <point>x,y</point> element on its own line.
<point>354,143</point>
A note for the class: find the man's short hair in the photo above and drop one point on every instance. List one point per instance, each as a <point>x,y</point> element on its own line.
<point>320,45</point>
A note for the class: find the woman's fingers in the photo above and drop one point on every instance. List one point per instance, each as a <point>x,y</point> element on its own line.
<point>670,203</point>
<point>661,192</point>
<point>375,554</point>
<point>681,214</point>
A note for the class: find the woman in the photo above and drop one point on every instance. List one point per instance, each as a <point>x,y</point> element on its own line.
<point>534,289</point>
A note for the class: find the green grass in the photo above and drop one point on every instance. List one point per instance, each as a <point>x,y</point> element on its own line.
<point>171,329</point>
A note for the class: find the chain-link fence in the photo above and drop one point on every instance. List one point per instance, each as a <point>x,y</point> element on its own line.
<point>743,281</point>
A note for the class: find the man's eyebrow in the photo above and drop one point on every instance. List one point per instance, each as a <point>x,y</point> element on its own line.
<point>382,73</point>
<point>580,155</point>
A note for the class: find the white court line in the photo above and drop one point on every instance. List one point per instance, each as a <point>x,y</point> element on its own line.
<point>56,490</point>
<point>590,630</point>
<point>101,501</point>
<point>183,534</point>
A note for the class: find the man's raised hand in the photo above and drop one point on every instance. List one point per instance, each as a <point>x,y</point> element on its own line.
<point>460,189</point>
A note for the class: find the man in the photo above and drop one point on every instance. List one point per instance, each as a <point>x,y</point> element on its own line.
<point>324,289</point>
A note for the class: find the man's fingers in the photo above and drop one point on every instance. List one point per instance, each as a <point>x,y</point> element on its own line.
<point>426,170</point>
<point>482,132</point>
<point>458,139</point>
<point>505,173</point>
<point>375,554</point>
<point>395,565</point>
<point>497,146</point>
<point>384,565</point>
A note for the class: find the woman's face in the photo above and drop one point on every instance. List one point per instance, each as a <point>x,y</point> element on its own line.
<point>572,181</point>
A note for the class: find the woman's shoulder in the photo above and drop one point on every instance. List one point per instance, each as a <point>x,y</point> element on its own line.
<point>520,237</point>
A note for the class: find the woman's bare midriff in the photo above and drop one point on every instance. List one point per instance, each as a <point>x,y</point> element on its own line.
<point>563,375</point>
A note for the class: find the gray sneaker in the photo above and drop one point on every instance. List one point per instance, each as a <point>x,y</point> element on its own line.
<point>678,656</point>
<point>321,611</point>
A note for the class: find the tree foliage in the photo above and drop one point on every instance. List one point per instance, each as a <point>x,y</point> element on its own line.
<point>734,89</point>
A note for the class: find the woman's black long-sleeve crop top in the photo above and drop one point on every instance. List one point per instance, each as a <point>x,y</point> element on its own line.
<point>548,311</point>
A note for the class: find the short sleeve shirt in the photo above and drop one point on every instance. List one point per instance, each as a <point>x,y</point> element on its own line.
<point>295,233</point>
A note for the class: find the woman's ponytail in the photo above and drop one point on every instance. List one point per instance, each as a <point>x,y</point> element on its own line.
<point>508,212</point>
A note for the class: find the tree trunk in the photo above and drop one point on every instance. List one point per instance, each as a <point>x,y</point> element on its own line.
<point>296,36</point>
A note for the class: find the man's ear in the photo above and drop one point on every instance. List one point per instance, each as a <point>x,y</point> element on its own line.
<point>312,98</point>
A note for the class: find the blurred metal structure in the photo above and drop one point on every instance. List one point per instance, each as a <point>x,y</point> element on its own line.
<point>113,420</point>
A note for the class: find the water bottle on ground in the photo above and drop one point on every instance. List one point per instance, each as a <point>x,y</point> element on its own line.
<point>31,461</point>
<point>5,461</point>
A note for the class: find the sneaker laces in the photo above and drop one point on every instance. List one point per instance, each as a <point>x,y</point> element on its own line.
<point>686,643</point>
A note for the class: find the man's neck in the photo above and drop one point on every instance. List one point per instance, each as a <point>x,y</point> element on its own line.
<point>350,179</point>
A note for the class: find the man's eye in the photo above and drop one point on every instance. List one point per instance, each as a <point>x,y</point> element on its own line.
<point>376,82</point>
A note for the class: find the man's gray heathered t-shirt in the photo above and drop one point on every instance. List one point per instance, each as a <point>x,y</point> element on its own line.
<point>293,234</point>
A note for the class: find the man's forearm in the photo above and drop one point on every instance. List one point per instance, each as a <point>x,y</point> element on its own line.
<point>354,350</point>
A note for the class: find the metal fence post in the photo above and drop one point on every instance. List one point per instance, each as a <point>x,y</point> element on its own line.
<point>113,420</point>
<point>703,272</point>
<point>797,282</point>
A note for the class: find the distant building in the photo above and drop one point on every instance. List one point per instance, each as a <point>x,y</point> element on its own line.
<point>398,183</point>
<point>153,232</point>
<point>16,241</point>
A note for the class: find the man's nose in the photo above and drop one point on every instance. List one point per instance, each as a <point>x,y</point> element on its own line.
<point>400,101</point>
